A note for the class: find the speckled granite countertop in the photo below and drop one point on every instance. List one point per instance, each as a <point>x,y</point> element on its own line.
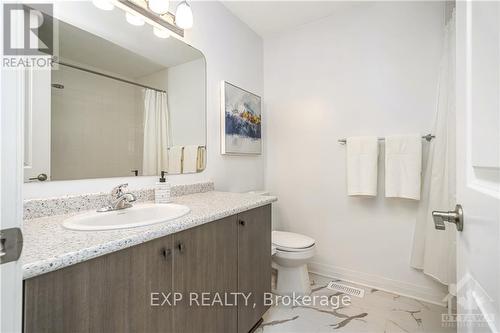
<point>48,246</point>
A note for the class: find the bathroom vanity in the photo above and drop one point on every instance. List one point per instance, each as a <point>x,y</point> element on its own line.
<point>113,292</point>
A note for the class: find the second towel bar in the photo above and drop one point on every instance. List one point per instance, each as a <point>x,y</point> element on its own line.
<point>427,137</point>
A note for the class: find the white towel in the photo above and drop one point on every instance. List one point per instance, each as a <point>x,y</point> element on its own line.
<point>362,163</point>
<point>201,159</point>
<point>403,166</point>
<point>190,160</point>
<point>175,160</point>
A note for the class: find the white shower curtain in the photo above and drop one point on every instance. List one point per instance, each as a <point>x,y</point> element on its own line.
<point>156,133</point>
<point>434,250</point>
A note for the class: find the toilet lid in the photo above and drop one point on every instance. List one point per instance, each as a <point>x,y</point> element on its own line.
<point>289,240</point>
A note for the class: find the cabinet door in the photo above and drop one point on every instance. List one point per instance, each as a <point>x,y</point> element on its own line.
<point>254,264</point>
<point>111,293</point>
<point>205,261</point>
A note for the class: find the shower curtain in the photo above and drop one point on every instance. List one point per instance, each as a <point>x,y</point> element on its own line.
<point>434,250</point>
<point>156,133</point>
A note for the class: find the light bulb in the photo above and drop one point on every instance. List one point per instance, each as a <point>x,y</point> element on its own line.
<point>158,6</point>
<point>161,33</point>
<point>184,16</point>
<point>134,19</point>
<point>103,4</point>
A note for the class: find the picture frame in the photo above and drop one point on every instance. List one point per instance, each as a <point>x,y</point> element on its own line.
<point>241,121</point>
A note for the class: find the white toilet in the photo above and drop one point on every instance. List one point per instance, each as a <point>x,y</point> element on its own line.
<point>291,253</point>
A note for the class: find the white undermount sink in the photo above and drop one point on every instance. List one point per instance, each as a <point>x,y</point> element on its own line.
<point>137,216</point>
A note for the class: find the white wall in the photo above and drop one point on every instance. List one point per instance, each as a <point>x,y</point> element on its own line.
<point>369,69</point>
<point>233,52</point>
<point>158,79</point>
<point>185,86</point>
<point>187,113</point>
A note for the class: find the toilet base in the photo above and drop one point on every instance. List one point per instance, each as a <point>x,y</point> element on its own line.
<point>292,280</point>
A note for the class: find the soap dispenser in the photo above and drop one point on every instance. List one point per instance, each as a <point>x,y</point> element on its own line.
<point>162,190</point>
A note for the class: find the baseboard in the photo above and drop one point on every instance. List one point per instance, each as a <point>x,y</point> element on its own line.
<point>378,282</point>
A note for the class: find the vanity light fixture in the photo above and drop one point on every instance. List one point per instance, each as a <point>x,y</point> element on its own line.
<point>159,6</point>
<point>142,8</point>
<point>134,19</point>
<point>184,16</point>
<point>161,33</point>
<point>103,4</point>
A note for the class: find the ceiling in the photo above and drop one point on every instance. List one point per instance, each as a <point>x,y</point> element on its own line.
<point>82,47</point>
<point>268,17</point>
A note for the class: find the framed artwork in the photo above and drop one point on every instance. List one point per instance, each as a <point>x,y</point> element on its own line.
<point>241,121</point>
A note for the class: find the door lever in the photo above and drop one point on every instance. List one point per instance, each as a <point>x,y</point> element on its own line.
<point>2,247</point>
<point>11,245</point>
<point>456,217</point>
<point>41,177</point>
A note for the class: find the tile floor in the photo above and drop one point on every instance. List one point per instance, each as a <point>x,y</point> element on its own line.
<point>377,311</point>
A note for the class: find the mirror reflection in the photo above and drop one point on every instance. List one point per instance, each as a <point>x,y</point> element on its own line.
<point>105,111</point>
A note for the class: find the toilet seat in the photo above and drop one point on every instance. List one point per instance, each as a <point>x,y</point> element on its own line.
<point>298,254</point>
<point>291,249</point>
<point>291,242</point>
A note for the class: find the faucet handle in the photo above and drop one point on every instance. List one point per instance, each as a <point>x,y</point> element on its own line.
<point>119,190</point>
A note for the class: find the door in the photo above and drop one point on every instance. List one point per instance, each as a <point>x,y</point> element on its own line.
<point>254,264</point>
<point>205,261</point>
<point>37,118</point>
<point>478,165</point>
<point>11,180</point>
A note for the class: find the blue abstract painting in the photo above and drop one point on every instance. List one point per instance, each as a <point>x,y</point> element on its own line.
<point>241,120</point>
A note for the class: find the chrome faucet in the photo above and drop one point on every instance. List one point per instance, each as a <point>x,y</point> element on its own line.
<point>120,199</point>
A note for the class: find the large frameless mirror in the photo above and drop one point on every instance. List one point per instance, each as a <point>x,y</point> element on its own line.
<point>108,110</point>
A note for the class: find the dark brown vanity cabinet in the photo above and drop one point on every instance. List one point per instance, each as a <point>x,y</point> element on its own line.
<point>112,293</point>
<point>206,261</point>
<point>254,264</point>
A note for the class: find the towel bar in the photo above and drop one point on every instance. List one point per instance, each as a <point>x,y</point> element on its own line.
<point>198,147</point>
<point>427,137</point>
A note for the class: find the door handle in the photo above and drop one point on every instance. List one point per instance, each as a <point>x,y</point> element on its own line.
<point>2,247</point>
<point>181,247</point>
<point>11,245</point>
<point>41,177</point>
<point>455,216</point>
<point>165,252</point>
